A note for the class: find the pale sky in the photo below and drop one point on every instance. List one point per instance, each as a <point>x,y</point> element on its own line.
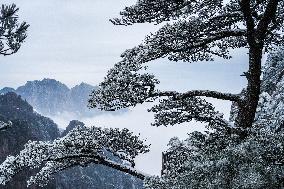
<point>72,41</point>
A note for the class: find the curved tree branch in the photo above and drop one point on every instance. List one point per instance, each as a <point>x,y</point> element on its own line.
<point>98,159</point>
<point>206,93</point>
<point>81,146</point>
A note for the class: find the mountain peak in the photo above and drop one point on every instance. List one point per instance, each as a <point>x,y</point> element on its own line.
<point>83,85</point>
<point>6,90</point>
<point>45,82</point>
<point>51,97</point>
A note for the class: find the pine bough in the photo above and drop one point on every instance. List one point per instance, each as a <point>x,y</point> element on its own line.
<point>80,147</point>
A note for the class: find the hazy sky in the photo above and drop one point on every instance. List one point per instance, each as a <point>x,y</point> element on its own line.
<point>73,41</point>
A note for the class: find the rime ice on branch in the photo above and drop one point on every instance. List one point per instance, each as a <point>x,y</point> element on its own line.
<point>4,126</point>
<point>192,31</point>
<point>12,33</point>
<point>223,160</point>
<point>244,154</point>
<point>197,31</point>
<point>80,147</point>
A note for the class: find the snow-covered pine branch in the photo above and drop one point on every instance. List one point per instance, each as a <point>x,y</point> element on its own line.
<point>197,31</point>
<point>81,146</point>
<point>12,33</point>
<point>175,111</point>
<point>4,125</point>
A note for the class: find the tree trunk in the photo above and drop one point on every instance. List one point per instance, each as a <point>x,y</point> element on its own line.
<point>256,37</point>
<point>247,108</point>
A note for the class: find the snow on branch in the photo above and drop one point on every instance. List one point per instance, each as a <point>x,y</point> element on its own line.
<point>4,126</point>
<point>175,111</point>
<point>81,146</point>
<point>190,39</point>
<point>126,86</point>
<point>122,90</point>
<point>158,11</point>
<point>12,33</point>
<point>151,11</point>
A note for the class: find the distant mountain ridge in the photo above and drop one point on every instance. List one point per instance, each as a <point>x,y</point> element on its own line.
<point>50,97</point>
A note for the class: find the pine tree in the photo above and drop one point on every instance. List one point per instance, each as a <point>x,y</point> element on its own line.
<point>193,31</point>
<point>217,159</point>
<point>12,33</point>
<point>196,31</point>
